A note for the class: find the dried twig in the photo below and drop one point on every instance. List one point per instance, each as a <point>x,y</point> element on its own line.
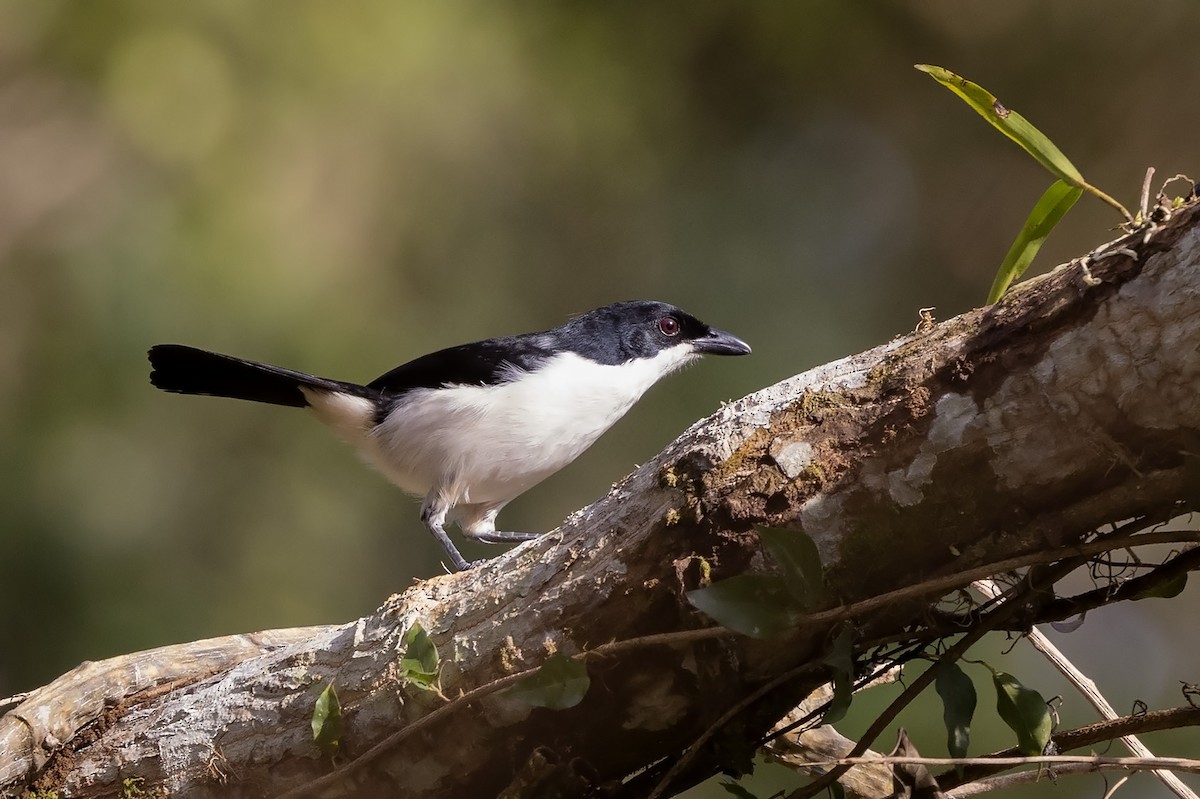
<point>1096,762</point>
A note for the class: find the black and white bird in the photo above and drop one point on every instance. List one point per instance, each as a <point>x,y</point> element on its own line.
<point>472,427</point>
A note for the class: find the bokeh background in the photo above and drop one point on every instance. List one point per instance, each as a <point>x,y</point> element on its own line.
<point>339,187</point>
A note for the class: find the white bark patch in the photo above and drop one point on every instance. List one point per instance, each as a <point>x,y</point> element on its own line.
<point>952,416</point>
<point>821,518</point>
<point>793,457</point>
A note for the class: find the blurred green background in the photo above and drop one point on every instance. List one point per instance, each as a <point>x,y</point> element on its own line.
<point>338,187</point>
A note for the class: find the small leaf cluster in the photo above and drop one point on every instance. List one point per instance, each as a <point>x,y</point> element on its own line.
<point>1021,708</point>
<point>419,664</point>
<point>559,684</point>
<point>764,605</point>
<point>327,723</point>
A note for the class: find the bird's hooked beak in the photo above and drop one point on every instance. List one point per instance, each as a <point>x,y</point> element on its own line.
<point>718,342</point>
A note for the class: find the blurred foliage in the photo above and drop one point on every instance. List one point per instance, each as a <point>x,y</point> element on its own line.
<point>339,187</point>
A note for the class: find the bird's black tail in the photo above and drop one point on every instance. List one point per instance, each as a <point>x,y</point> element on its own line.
<point>187,370</point>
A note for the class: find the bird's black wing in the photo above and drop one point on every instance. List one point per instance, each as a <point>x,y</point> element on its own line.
<point>482,363</point>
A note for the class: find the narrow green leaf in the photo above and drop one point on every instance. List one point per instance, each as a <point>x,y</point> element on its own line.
<point>958,706</point>
<point>1050,208</point>
<point>840,658</point>
<point>419,665</point>
<point>1020,130</point>
<point>1010,123</point>
<point>1166,590</point>
<point>836,791</point>
<point>752,604</point>
<point>559,684</point>
<point>327,721</point>
<point>1024,711</point>
<point>737,790</point>
<point>800,562</point>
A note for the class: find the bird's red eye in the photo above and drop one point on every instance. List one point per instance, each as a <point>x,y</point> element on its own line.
<point>669,326</point>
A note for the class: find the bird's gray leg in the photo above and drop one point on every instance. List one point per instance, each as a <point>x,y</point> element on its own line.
<point>480,525</point>
<point>433,514</point>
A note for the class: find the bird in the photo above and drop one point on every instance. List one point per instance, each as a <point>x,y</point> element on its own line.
<point>471,427</point>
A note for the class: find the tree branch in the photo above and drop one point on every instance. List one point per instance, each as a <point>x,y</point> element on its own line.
<point>1005,433</point>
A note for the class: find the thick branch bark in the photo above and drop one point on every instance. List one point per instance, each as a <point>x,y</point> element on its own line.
<point>1008,430</point>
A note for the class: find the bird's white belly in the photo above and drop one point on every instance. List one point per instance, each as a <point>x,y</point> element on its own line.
<point>488,444</point>
<point>475,455</point>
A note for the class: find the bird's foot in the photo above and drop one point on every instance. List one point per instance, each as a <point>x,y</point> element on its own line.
<point>498,537</point>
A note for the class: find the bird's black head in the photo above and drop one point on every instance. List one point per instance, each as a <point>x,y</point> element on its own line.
<point>625,331</point>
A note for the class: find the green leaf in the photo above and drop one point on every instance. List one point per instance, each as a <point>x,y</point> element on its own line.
<point>843,695</point>
<point>419,665</point>
<point>752,604</point>
<point>840,658</point>
<point>737,790</point>
<point>559,684</point>
<point>1050,208</point>
<point>958,706</point>
<point>327,721</point>
<point>840,655</point>
<point>800,562</point>
<point>1010,123</point>
<point>1024,711</point>
<point>1165,590</point>
<point>836,791</point>
<point>1019,129</point>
